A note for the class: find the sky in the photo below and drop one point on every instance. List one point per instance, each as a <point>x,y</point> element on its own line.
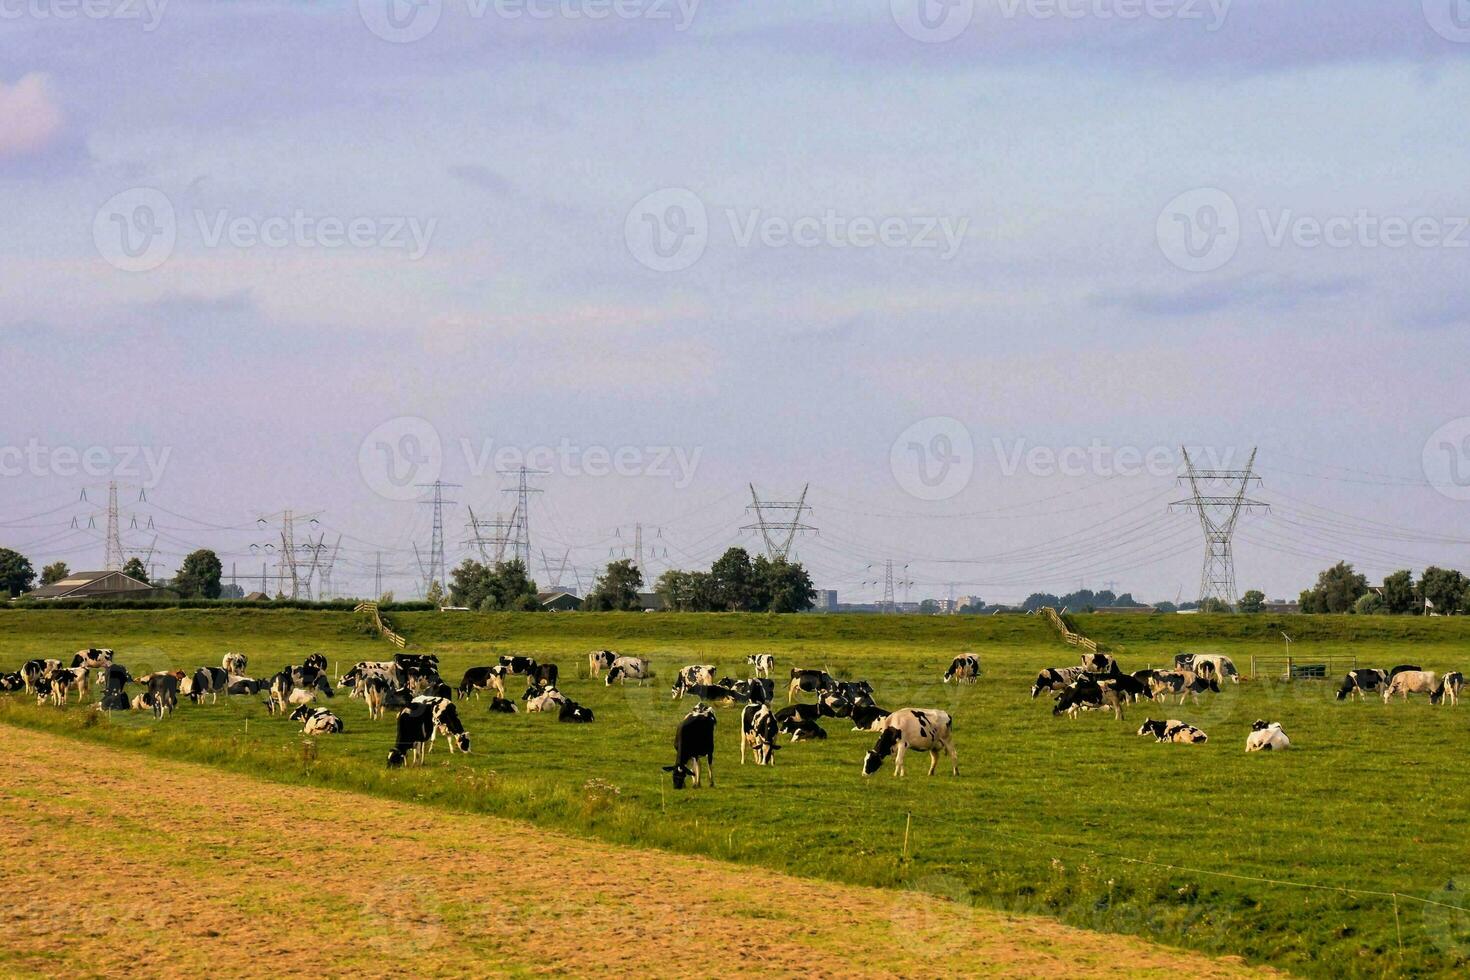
<point>973,272</point>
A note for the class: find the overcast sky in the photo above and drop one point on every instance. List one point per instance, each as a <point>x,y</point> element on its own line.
<point>972,271</point>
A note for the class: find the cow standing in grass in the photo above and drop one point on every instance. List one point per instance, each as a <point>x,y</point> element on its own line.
<point>694,740</point>
<point>1409,682</point>
<point>758,732</point>
<point>926,729</point>
<point>964,668</point>
<point>1449,689</point>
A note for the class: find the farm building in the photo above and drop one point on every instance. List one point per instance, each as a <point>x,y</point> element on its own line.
<point>558,601</point>
<point>94,585</point>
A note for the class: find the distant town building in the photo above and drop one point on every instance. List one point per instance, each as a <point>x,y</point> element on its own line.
<point>95,585</point>
<point>826,601</point>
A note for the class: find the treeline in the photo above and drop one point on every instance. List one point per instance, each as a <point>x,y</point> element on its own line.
<point>1341,589</point>
<point>736,583</point>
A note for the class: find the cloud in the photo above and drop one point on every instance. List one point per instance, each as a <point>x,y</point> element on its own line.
<point>1275,293</point>
<point>482,177</point>
<point>30,120</point>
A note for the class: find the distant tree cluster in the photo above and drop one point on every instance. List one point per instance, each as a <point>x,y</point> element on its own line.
<point>16,573</point>
<point>1341,589</point>
<point>1083,600</point>
<point>499,588</point>
<point>736,583</point>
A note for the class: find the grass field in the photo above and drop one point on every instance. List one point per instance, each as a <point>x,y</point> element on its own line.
<point>1077,820</point>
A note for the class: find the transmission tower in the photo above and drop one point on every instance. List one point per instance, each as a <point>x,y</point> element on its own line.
<point>435,570</point>
<point>771,531</point>
<point>887,605</point>
<point>1218,498</point>
<point>113,559</point>
<point>496,543</point>
<point>521,519</point>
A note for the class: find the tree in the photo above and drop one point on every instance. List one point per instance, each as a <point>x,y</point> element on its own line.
<point>929,607</point>
<point>1215,605</point>
<point>1370,604</point>
<point>1444,587</point>
<point>683,591</point>
<point>783,586</point>
<point>1398,593</point>
<point>1337,589</point>
<point>1253,601</point>
<point>16,573</point>
<point>616,589</point>
<point>231,591</point>
<point>54,572</point>
<point>734,581</point>
<point>435,595</point>
<point>198,577</point>
<point>134,568</point>
<point>469,584</point>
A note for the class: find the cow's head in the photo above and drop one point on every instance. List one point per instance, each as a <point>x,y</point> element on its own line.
<point>462,741</point>
<point>681,774</point>
<point>880,750</point>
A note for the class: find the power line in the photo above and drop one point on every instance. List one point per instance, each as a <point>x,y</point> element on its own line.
<point>776,546</point>
<point>1218,515</point>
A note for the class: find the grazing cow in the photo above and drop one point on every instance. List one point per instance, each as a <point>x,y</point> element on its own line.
<point>760,690</point>
<point>446,723</point>
<point>426,663</point>
<point>763,663</point>
<point>1396,671</point>
<point>830,705</point>
<point>1409,682</point>
<point>758,732</point>
<point>299,685</point>
<point>544,675</point>
<point>926,729</point>
<point>625,668</point>
<point>205,680</point>
<point>799,713</point>
<point>317,721</point>
<point>1449,688</point>
<point>691,676</point>
<point>518,664</point>
<point>54,688</point>
<point>1173,731</point>
<point>246,685</point>
<point>868,718</point>
<point>694,739</point>
<point>235,664</point>
<point>12,681</point>
<point>1266,737</point>
<point>1183,683</point>
<point>715,694</point>
<point>478,679</point>
<point>378,693</point>
<point>1130,686</point>
<point>965,667</point>
<point>33,670</point>
<point>502,706</point>
<point>599,660</point>
<point>809,680</point>
<point>573,712</point>
<point>316,661</point>
<point>163,691</point>
<point>1184,661</point>
<point>1098,663</point>
<point>1362,681</point>
<point>802,730</point>
<point>92,658</point>
<point>415,731</point>
<point>1214,665</point>
<point>854,691</point>
<point>538,699</point>
<point>1055,679</point>
<point>1090,695</point>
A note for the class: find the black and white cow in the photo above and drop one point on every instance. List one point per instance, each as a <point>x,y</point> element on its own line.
<point>299,685</point>
<point>763,663</point>
<point>802,730</point>
<point>1362,682</point>
<point>1408,682</point>
<point>205,681</point>
<point>1396,671</point>
<point>715,694</point>
<point>379,694</point>
<point>387,669</point>
<point>761,690</point>
<point>246,685</point>
<point>316,662</point>
<point>1087,694</point>
<point>691,676</point>
<point>235,664</point>
<point>868,717</point>
<point>1098,663</point>
<point>694,739</point>
<point>857,692</point>
<point>965,668</point>
<point>1449,688</point>
<point>1056,679</point>
<point>55,686</point>
<point>625,669</point>
<point>502,706</point>
<point>92,658</point>
<point>926,729</point>
<point>517,664</point>
<point>1185,683</point>
<point>478,679</point>
<point>544,699</point>
<point>317,721</point>
<point>424,663</point>
<point>1215,666</point>
<point>1266,736</point>
<point>12,681</point>
<point>1136,690</point>
<point>1172,731</point>
<point>415,731</point>
<point>809,680</point>
<point>832,705</point>
<point>114,679</point>
<point>446,723</point>
<point>573,712</point>
<point>163,691</point>
<point>758,732</point>
<point>544,675</point>
<point>33,670</point>
<point>599,660</point>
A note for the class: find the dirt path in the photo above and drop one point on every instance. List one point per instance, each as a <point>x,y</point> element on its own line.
<point>113,862</point>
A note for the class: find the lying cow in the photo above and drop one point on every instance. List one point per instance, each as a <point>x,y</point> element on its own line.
<point>761,690</point>
<point>599,660</point>
<point>1449,688</point>
<point>1266,737</point>
<point>625,669</point>
<point>502,706</point>
<point>763,663</point>
<point>12,681</point>
<point>965,668</point>
<point>1362,682</point>
<point>692,676</point>
<point>926,729</point>
<point>538,700</point>
<point>715,694</point>
<point>573,712</point>
<point>758,732</point>
<point>1173,730</point>
<point>478,679</point>
<point>246,685</point>
<point>205,681</point>
<point>694,739</point>
<point>1056,679</point>
<point>317,721</point>
<point>1409,682</point>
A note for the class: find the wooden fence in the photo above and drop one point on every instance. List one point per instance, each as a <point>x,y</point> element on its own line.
<point>371,608</point>
<point>1060,625</point>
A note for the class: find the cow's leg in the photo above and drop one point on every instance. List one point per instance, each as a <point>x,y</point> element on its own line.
<point>933,759</point>
<point>953,756</point>
<point>743,740</point>
<point>898,755</point>
<point>711,761</point>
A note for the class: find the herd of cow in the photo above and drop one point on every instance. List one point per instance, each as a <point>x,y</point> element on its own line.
<point>425,707</point>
